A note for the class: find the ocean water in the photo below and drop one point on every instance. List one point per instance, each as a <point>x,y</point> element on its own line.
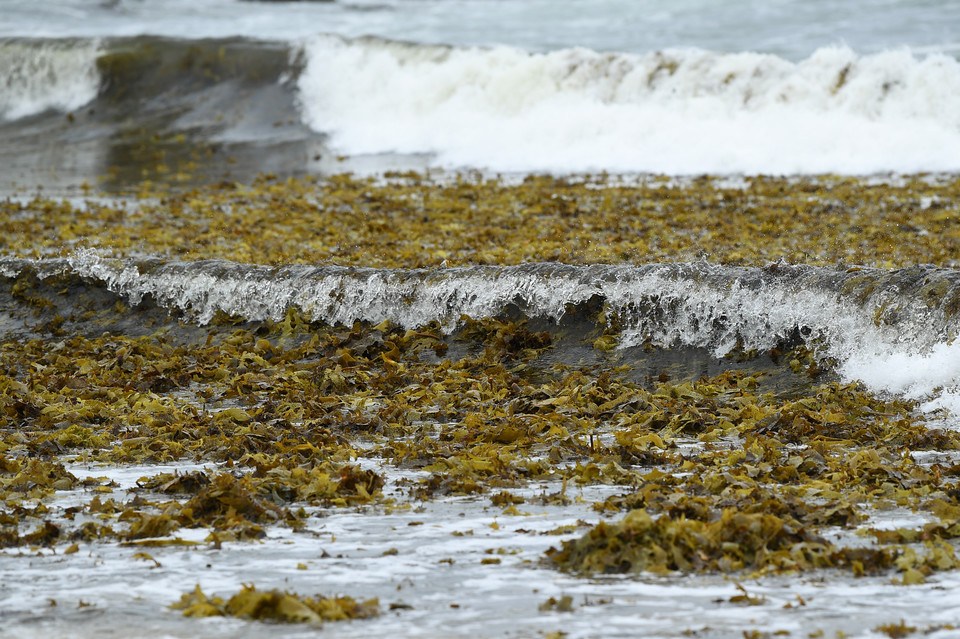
<point>118,94</point>
<point>661,87</point>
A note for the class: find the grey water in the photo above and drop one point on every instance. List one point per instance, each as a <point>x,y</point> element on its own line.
<point>788,28</point>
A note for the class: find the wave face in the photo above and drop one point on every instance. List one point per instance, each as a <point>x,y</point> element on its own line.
<point>36,76</point>
<point>149,108</point>
<point>675,111</point>
<point>133,78</point>
<point>894,330</point>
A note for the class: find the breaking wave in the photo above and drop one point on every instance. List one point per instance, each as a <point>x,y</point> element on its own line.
<point>673,111</point>
<point>573,110</point>
<point>892,329</point>
<point>131,79</point>
<point>36,76</point>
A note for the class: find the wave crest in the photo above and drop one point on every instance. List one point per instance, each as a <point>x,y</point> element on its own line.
<point>675,111</point>
<point>50,74</point>
<point>893,329</point>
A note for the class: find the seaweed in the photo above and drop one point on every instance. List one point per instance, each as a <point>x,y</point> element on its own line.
<point>470,221</point>
<point>276,606</point>
<point>713,473</point>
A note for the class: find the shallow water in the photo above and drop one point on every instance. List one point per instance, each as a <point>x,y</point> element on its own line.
<point>432,595</point>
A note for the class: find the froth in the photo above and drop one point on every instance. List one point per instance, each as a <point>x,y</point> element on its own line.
<point>38,76</point>
<point>678,111</point>
<point>932,377</point>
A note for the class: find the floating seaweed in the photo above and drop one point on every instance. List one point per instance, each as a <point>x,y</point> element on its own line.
<point>276,606</point>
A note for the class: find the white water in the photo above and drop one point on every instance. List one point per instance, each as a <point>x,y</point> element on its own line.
<point>677,87</point>
<point>682,111</point>
<point>59,75</point>
<point>931,376</point>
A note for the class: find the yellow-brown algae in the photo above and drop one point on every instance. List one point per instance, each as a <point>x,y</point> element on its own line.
<point>721,473</point>
<point>276,606</point>
<point>414,221</point>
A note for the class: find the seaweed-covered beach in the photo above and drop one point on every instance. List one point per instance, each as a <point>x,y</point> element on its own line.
<point>447,318</point>
<point>584,405</point>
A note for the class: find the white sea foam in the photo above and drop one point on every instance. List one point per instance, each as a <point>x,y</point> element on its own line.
<point>36,77</point>
<point>677,111</point>
<point>931,376</point>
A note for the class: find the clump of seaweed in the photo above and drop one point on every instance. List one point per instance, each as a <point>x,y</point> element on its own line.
<point>276,606</point>
<point>736,541</point>
<point>733,542</point>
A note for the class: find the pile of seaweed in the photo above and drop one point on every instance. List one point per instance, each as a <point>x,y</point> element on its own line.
<point>413,220</point>
<point>274,605</point>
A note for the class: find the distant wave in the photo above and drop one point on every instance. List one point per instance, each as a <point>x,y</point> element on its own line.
<point>39,76</point>
<point>675,111</point>
<point>43,74</point>
<point>221,90</point>
<point>893,329</point>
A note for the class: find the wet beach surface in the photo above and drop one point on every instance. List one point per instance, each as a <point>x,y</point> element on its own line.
<point>337,407</point>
